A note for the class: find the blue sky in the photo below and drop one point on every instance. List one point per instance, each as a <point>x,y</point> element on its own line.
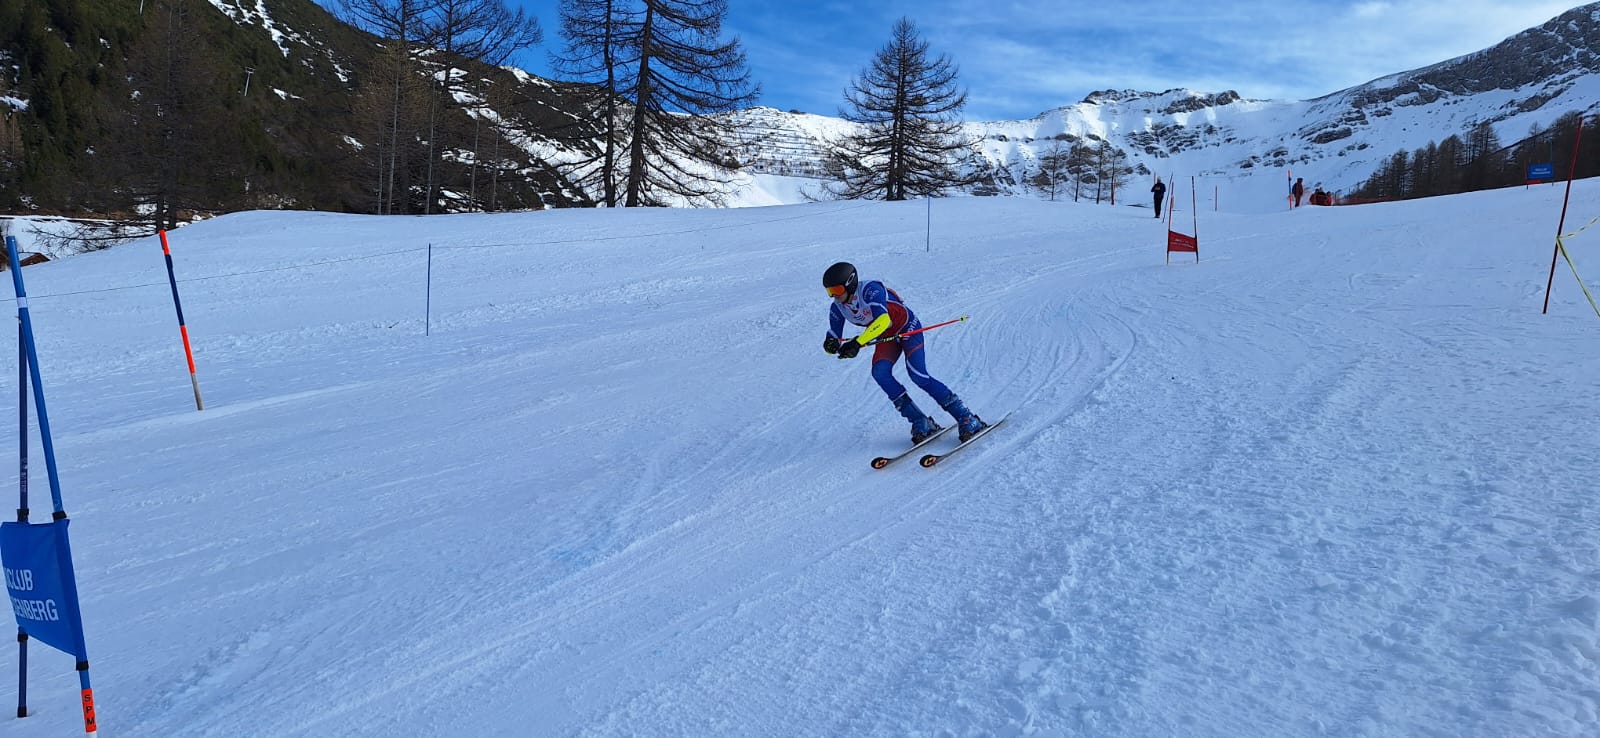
<point>1018,59</point>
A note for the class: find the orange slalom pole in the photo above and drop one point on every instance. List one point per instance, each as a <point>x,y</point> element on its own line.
<point>183,329</point>
<point>91,724</point>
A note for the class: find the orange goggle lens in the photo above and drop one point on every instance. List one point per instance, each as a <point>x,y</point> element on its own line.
<point>836,290</point>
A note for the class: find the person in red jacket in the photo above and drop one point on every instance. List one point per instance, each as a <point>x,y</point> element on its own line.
<point>1299,190</point>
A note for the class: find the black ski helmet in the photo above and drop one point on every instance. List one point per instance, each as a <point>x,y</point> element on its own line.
<point>842,274</point>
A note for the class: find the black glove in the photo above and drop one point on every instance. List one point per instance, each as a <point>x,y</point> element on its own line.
<point>849,349</point>
<point>830,345</point>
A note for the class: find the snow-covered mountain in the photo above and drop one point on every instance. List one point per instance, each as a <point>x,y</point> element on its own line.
<point>523,128</point>
<point>1336,140</point>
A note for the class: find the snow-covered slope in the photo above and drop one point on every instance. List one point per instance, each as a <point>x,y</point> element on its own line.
<point>1333,479</point>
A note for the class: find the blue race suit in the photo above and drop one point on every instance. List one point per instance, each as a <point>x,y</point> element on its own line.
<point>870,301</point>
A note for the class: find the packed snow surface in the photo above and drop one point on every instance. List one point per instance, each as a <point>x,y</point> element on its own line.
<point>1337,478</point>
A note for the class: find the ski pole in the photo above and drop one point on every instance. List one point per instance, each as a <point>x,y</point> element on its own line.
<point>915,332</point>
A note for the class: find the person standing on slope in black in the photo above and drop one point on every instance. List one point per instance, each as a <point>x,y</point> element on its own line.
<point>1160,191</point>
<point>1299,190</point>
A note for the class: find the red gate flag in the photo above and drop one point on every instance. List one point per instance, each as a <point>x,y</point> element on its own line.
<point>1180,242</point>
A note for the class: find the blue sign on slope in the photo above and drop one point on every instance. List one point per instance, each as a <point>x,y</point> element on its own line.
<point>1541,171</point>
<point>44,596</point>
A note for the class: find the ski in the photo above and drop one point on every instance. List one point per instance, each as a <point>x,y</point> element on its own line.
<point>932,459</point>
<point>883,461</point>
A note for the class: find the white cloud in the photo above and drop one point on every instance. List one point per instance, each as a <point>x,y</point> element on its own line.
<point>1053,54</point>
<point>1370,10</point>
<point>1021,58</point>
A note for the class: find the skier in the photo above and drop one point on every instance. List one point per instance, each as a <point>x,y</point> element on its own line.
<point>881,311</point>
<point>1159,190</point>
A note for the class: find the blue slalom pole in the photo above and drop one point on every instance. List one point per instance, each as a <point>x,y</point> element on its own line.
<point>22,485</point>
<point>22,431</point>
<point>85,691</point>
<point>22,673</point>
<point>427,305</point>
<point>183,328</point>
<point>59,521</point>
<point>31,354</point>
<point>22,507</point>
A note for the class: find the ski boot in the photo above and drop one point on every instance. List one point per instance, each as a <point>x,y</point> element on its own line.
<point>967,422</point>
<point>922,426</point>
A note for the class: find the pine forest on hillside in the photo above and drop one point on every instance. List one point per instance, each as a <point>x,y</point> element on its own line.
<point>165,108</point>
<point>1480,162</point>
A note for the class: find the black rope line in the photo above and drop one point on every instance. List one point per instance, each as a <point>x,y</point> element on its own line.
<point>229,275</point>
<point>648,235</point>
<point>325,262</point>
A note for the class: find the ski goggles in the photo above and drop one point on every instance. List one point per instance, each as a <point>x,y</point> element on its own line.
<point>836,290</point>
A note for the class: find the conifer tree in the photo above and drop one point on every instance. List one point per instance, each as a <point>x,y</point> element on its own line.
<point>11,155</point>
<point>175,120</point>
<point>1054,165</point>
<point>1448,166</point>
<point>1081,165</point>
<point>599,51</point>
<point>403,24</point>
<point>1397,175</point>
<point>1483,157</point>
<point>484,31</point>
<point>387,110</point>
<point>1424,171</point>
<point>907,106</point>
<point>683,77</point>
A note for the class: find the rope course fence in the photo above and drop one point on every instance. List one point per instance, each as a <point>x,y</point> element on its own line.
<point>447,246</point>
<point>1561,246</point>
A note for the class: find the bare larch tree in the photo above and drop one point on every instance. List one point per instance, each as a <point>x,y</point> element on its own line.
<point>684,76</point>
<point>484,31</point>
<point>403,26</point>
<point>907,107</point>
<point>599,36</point>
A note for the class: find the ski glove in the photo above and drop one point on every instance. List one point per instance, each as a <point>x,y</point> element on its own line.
<point>830,345</point>
<point>849,349</point>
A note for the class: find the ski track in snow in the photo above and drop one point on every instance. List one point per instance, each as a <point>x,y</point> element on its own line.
<point>1331,480</point>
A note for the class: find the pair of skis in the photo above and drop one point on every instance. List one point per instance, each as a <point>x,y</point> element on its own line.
<point>929,460</point>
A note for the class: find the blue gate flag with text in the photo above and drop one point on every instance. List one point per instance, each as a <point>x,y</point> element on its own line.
<point>39,578</point>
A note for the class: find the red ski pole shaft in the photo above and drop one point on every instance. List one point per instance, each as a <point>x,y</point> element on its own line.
<point>919,330</point>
